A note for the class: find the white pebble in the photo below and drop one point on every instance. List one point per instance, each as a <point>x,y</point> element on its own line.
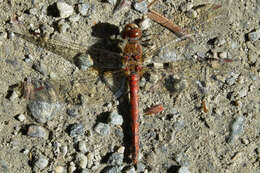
<point>65,9</point>
<point>82,147</point>
<point>42,162</point>
<point>82,160</point>
<point>223,55</point>
<point>145,24</point>
<point>21,117</point>
<point>60,169</point>
<point>72,167</point>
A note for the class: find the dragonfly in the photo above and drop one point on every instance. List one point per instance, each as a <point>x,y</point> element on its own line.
<point>132,65</point>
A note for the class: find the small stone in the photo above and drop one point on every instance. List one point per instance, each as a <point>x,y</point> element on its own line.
<point>192,13</point>
<point>41,162</point>
<point>64,150</point>
<point>245,141</point>
<point>186,6</point>
<point>243,92</point>
<point>112,2</point>
<point>3,166</point>
<point>102,129</point>
<point>254,36</point>
<point>116,159</point>
<point>183,169</point>
<point>237,128</point>
<point>65,10</point>
<point>130,170</point>
<point>111,169</point>
<point>121,150</point>
<point>74,18</point>
<point>219,41</point>
<point>232,78</point>
<point>21,117</point>
<point>145,23</point>
<point>82,147</point>
<point>81,160</point>
<point>72,167</point>
<point>3,35</point>
<point>90,157</point>
<point>141,6</point>
<point>43,111</point>
<point>73,112</point>
<point>76,129</point>
<point>115,118</point>
<point>85,170</point>
<point>13,96</point>
<point>223,55</point>
<point>140,167</point>
<point>25,151</point>
<point>10,35</point>
<point>63,27</point>
<point>37,131</point>
<point>84,62</point>
<point>60,169</point>
<point>83,9</point>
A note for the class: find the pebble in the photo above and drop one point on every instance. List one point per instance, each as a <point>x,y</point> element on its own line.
<point>85,170</point>
<point>115,118</point>
<point>111,169</point>
<point>130,170</point>
<point>83,9</point>
<point>90,157</point>
<point>37,131</point>
<point>43,111</point>
<point>237,128</point>
<point>140,167</point>
<point>192,13</point>
<point>168,55</point>
<point>13,96</point>
<point>64,150</point>
<point>76,129</point>
<point>116,159</point>
<point>183,169</point>
<point>102,129</point>
<point>141,6</point>
<point>41,162</point>
<point>186,6</point>
<point>41,67</point>
<point>232,78</point>
<point>112,2</point>
<point>223,55</point>
<point>72,167</point>
<point>73,112</point>
<point>243,92</point>
<point>181,158</point>
<point>65,10</point>
<point>84,62</point>
<point>145,23</point>
<point>82,147</point>
<point>60,169</point>
<point>74,18</point>
<point>3,35</point>
<point>10,35</point>
<point>63,27</point>
<point>3,166</point>
<point>81,160</point>
<point>21,117</point>
<point>121,150</point>
<point>254,36</point>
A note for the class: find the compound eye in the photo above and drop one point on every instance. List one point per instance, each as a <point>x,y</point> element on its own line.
<point>132,31</point>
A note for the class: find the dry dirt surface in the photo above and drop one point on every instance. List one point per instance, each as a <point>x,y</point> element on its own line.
<point>64,99</point>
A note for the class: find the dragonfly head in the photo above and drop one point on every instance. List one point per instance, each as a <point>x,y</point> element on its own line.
<point>132,31</point>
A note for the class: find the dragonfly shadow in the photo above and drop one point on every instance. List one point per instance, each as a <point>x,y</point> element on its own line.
<point>106,51</point>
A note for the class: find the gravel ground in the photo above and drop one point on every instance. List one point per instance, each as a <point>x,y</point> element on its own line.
<point>76,116</point>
